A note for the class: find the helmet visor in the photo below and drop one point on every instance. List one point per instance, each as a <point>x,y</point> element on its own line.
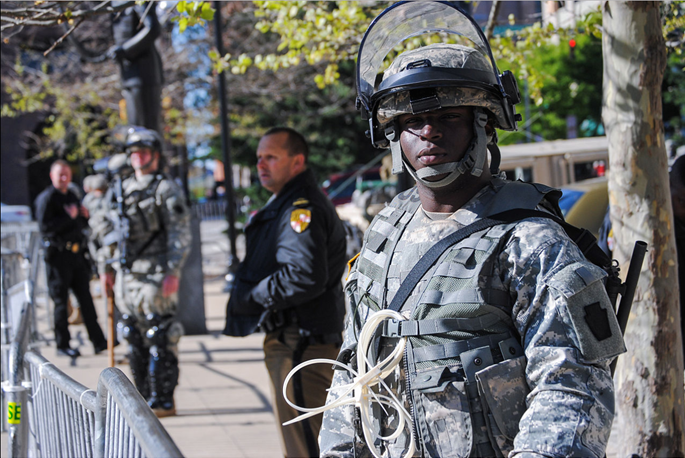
<point>406,20</point>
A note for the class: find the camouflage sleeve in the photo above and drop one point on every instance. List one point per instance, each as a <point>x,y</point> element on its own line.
<point>337,436</point>
<point>176,218</point>
<point>101,224</point>
<point>569,334</point>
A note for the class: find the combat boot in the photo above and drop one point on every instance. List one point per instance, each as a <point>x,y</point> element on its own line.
<point>163,380</point>
<point>138,357</point>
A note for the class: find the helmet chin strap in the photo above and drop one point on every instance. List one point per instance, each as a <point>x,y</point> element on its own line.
<point>473,160</point>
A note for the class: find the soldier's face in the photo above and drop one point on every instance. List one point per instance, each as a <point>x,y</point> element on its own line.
<point>275,166</point>
<point>436,137</point>
<point>60,176</point>
<point>144,160</point>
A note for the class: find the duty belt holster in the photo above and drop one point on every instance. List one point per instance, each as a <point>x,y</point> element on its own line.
<point>74,247</point>
<point>320,339</point>
<point>274,320</point>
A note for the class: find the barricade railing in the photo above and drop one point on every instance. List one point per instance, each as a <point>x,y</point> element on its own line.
<point>67,419</point>
<point>124,424</point>
<point>17,320</point>
<point>14,389</point>
<point>49,414</point>
<point>210,210</point>
<point>61,412</point>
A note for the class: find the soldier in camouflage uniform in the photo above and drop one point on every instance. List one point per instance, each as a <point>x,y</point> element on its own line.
<point>156,245</point>
<point>509,335</point>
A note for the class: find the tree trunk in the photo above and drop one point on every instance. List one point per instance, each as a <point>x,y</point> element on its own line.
<point>649,378</point>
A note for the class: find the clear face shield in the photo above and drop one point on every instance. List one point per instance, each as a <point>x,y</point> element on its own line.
<point>426,23</point>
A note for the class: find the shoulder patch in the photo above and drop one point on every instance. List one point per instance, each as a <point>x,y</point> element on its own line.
<point>301,202</point>
<point>300,219</point>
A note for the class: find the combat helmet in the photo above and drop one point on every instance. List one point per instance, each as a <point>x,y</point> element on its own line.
<point>460,71</point>
<point>143,138</point>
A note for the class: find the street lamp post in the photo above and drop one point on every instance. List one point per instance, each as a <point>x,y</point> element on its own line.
<point>226,146</point>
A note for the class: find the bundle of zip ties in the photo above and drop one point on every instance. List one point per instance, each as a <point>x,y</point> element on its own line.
<point>359,392</point>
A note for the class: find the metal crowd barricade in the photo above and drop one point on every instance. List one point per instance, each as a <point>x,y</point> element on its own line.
<point>124,425</point>
<point>49,414</point>
<point>67,419</point>
<point>210,210</point>
<point>62,411</point>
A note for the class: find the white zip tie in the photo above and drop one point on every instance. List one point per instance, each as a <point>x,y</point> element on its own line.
<point>362,395</point>
<point>80,399</point>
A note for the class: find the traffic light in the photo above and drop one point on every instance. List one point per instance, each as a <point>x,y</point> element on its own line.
<point>572,48</point>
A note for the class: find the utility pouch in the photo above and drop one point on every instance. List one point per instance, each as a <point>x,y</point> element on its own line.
<point>148,211</point>
<point>503,389</point>
<point>442,403</point>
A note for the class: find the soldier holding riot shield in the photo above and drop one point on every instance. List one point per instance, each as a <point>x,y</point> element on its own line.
<point>145,230</point>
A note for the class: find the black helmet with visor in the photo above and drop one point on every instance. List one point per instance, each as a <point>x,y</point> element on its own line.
<point>460,71</point>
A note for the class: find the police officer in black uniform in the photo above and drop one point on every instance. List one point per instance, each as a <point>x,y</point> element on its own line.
<point>62,220</point>
<point>290,283</point>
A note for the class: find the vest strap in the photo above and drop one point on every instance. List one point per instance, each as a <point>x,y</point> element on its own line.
<point>455,349</point>
<point>414,328</point>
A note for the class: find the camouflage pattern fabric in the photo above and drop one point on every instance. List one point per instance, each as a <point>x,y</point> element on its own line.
<point>555,401</point>
<point>158,243</point>
<point>445,56</point>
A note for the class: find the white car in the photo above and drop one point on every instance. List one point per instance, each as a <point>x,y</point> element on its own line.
<point>15,213</point>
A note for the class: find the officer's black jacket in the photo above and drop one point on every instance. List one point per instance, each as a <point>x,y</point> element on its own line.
<point>53,221</point>
<point>284,269</point>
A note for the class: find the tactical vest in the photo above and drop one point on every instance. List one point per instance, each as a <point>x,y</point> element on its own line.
<point>460,324</point>
<point>147,236</point>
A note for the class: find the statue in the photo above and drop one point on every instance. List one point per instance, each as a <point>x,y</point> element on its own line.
<point>139,62</point>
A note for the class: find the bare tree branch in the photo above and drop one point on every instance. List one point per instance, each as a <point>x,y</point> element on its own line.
<point>492,18</point>
<point>61,39</point>
<point>47,16</point>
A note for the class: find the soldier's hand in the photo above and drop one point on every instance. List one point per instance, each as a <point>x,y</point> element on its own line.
<point>107,280</point>
<point>84,212</point>
<point>169,285</point>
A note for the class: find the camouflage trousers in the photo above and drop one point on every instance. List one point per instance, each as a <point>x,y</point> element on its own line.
<point>138,295</point>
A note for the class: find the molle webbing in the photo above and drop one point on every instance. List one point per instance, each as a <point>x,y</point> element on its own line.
<point>411,328</point>
<point>454,349</point>
<point>380,241</point>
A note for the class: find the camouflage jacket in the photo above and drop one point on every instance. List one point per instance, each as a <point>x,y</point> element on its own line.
<point>522,286</point>
<point>158,238</point>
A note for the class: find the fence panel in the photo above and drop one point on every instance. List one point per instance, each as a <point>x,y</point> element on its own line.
<point>125,419</point>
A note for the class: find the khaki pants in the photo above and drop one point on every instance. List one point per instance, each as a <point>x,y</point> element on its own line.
<point>282,351</point>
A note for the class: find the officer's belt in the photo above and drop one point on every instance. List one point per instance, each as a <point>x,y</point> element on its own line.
<point>321,339</point>
<point>413,328</point>
<point>74,247</point>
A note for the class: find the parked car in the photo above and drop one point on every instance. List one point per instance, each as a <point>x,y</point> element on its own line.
<point>15,213</point>
<point>340,186</point>
<point>584,203</point>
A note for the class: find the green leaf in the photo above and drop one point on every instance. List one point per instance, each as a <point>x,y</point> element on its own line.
<point>207,12</point>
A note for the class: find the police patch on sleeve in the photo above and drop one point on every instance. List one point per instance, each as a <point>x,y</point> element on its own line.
<point>300,219</point>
